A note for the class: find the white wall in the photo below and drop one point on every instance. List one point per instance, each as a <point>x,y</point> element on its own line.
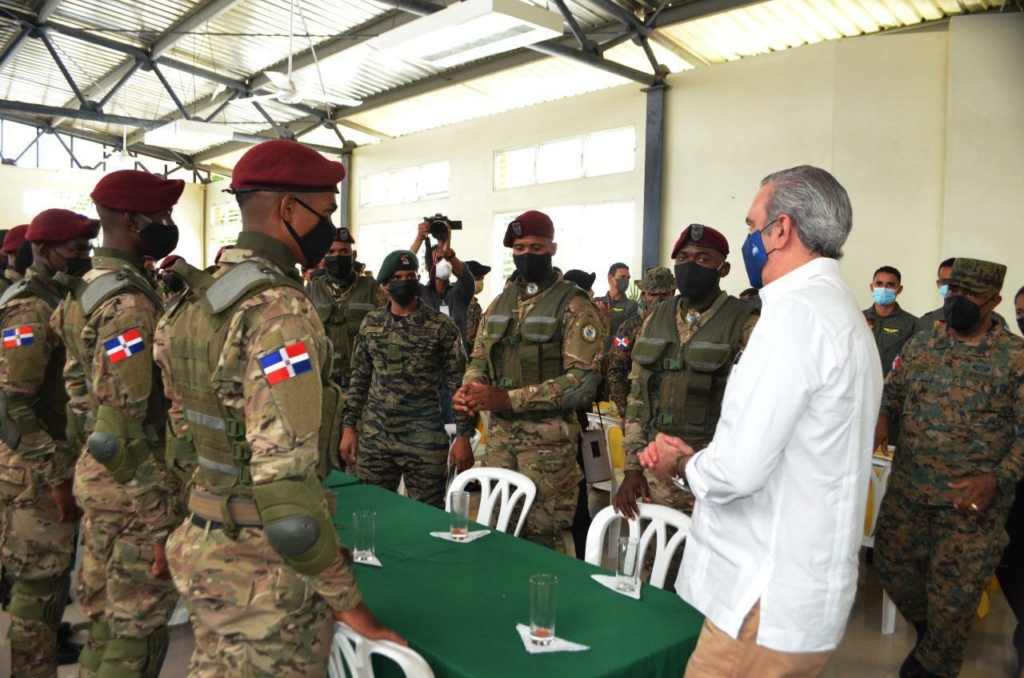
<point>922,127</point>
<point>29,191</point>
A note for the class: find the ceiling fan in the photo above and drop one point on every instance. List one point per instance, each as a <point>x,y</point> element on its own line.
<point>285,90</point>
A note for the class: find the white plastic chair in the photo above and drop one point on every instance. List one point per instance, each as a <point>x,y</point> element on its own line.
<point>657,519</point>
<point>352,656</point>
<point>881,466</point>
<point>508,487</point>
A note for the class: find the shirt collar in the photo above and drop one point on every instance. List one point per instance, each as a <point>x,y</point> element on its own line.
<point>795,279</point>
<point>107,257</point>
<point>265,247</point>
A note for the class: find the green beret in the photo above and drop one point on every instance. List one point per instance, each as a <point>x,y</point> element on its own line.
<point>976,276</point>
<point>399,260</point>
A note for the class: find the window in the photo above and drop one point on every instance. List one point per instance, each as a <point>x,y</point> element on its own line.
<point>589,237</point>
<point>35,200</point>
<point>590,155</point>
<point>376,241</point>
<point>398,187</point>
<point>223,228</point>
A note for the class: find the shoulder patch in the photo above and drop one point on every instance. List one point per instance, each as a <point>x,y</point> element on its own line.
<point>286,363</point>
<point>589,333</point>
<point>124,346</point>
<point>18,336</point>
<point>621,341</point>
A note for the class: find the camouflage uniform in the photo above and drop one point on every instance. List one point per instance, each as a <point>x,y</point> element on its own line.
<point>620,360</point>
<point>129,506</point>
<point>397,363</point>
<point>36,547</point>
<point>641,423</point>
<point>961,406</point>
<point>538,436</point>
<point>473,322</point>
<point>255,610</point>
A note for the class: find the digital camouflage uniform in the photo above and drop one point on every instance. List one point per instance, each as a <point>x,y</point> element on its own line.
<point>961,405</point>
<point>116,393</point>
<point>397,364</point>
<point>36,547</point>
<point>538,437</point>
<point>476,312</point>
<point>246,386</point>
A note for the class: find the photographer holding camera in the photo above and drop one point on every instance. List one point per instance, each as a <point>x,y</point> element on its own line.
<point>451,285</point>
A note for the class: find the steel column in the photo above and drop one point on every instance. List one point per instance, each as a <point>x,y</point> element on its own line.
<point>654,154</point>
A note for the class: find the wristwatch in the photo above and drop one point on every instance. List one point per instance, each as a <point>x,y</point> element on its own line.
<point>679,479</point>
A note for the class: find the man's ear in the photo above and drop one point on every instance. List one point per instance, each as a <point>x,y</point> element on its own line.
<point>554,250</point>
<point>724,270</point>
<point>899,290</point>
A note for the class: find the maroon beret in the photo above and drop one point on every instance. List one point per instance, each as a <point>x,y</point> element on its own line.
<point>529,223</point>
<point>56,225</point>
<point>702,236</point>
<point>139,192</point>
<point>343,235</point>
<point>14,239</point>
<point>169,261</point>
<point>283,165</point>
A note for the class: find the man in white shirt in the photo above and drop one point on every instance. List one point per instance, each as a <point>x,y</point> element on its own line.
<point>771,558</point>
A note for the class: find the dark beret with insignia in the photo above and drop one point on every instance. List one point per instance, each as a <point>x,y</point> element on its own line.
<point>529,223</point>
<point>399,260</point>
<point>702,236</point>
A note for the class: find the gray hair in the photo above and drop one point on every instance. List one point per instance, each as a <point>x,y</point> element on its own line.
<point>817,204</point>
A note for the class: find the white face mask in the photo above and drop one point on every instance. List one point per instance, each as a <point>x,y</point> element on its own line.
<point>443,269</point>
<point>479,286</point>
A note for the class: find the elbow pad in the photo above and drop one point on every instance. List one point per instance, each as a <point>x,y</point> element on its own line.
<point>582,396</point>
<point>118,443</point>
<point>296,524</point>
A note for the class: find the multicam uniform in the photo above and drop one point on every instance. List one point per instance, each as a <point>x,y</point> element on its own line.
<point>397,364</point>
<point>543,343</point>
<point>116,397</point>
<point>247,366</point>
<point>476,312</point>
<point>961,407</point>
<point>36,547</point>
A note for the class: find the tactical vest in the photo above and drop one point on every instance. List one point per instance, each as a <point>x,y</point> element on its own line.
<point>683,385</point>
<point>50,402</point>
<point>342,321</point>
<point>198,326</point>
<point>90,296</point>
<point>527,351</point>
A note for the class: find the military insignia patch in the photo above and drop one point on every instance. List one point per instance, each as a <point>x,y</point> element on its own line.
<point>517,228</point>
<point>124,346</point>
<point>404,259</point>
<point>622,342</point>
<point>531,288</point>
<point>696,231</point>
<point>589,333</point>
<point>285,363</point>
<point>18,336</point>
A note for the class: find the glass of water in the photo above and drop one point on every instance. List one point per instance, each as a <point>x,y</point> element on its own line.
<point>459,515</point>
<point>364,524</point>
<point>543,597</point>
<point>627,564</point>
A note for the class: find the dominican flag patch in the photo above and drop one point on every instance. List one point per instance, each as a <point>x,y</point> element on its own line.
<point>622,342</point>
<point>18,336</point>
<point>285,363</point>
<point>124,346</point>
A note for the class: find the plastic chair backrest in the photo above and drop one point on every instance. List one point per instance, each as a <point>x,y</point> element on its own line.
<point>354,652</point>
<point>880,468</point>
<point>497,484</point>
<point>652,525</point>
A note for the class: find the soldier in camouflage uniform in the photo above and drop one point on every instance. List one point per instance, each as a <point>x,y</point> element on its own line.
<point>658,284</point>
<point>116,398</point>
<point>476,312</point>
<point>13,241</point>
<point>960,392</point>
<point>36,504</point>
<point>247,367</point>
<point>401,353</point>
<point>537,359</point>
<point>681,364</point>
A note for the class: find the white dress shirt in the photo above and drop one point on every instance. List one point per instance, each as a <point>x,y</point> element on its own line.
<point>782,488</point>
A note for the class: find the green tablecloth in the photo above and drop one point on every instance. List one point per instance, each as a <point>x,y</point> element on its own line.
<point>338,479</point>
<point>458,604</point>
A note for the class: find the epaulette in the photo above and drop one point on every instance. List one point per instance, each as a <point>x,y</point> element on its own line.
<point>242,281</point>
<point>109,284</point>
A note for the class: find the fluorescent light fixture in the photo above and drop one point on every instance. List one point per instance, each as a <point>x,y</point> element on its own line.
<point>471,30</point>
<point>189,135</point>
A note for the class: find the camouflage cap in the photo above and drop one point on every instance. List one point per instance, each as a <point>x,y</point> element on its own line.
<point>975,275</point>
<point>658,280</point>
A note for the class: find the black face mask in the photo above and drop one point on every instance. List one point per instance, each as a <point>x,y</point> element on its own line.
<point>159,240</point>
<point>338,266</point>
<point>533,267</point>
<point>1020,325</point>
<point>23,259</point>
<point>403,291</point>
<point>173,283</point>
<point>960,312</point>
<point>695,281</point>
<point>315,244</point>
<point>316,273</point>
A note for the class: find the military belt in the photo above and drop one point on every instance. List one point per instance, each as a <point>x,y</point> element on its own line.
<point>242,510</point>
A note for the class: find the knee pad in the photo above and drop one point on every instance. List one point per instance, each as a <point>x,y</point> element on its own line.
<point>152,648</point>
<point>39,600</point>
<point>92,653</point>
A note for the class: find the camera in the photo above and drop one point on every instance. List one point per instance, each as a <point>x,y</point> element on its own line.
<point>441,226</point>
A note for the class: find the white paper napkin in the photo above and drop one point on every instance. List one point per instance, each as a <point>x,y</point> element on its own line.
<point>556,645</point>
<point>609,581</point>
<point>470,536</point>
<point>372,561</point>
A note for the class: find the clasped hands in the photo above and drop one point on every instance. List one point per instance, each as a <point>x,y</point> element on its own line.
<point>663,454</point>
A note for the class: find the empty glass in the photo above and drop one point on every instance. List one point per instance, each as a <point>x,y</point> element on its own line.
<point>364,524</point>
<point>543,596</point>
<point>627,565</point>
<point>459,515</point>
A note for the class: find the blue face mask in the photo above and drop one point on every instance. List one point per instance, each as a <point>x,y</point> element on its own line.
<point>883,296</point>
<point>755,256</point>
<point>942,290</point>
